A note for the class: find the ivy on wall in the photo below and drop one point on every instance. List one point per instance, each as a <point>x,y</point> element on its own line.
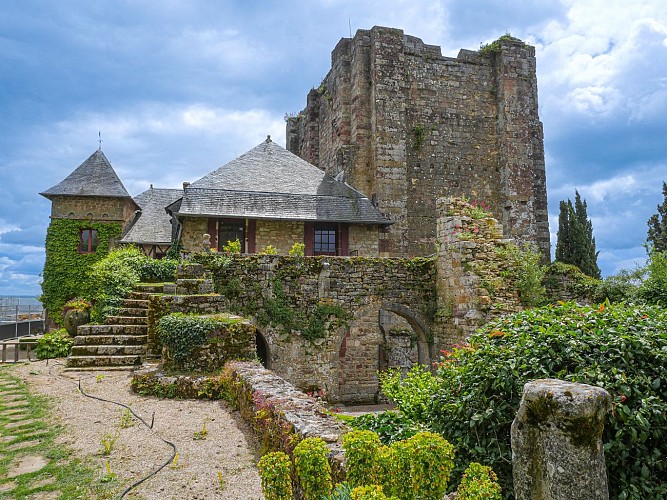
<point>66,271</point>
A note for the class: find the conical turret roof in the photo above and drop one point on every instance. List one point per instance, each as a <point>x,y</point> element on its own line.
<point>94,177</point>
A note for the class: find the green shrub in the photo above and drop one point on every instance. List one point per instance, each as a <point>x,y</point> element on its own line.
<point>113,278</point>
<point>361,449</point>
<point>312,468</point>
<point>620,347</point>
<point>232,247</point>
<point>269,250</point>
<point>157,270</point>
<point>478,482</point>
<point>431,460</point>
<point>369,492</point>
<point>412,394</point>
<point>526,274</point>
<point>183,333</point>
<point>274,470</point>
<point>391,426</point>
<point>654,288</point>
<point>55,344</point>
<point>394,464</point>
<point>297,250</point>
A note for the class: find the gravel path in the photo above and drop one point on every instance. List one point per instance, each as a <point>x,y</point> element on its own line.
<point>226,452</point>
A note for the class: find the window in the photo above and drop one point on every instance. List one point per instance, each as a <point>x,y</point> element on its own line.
<point>325,239</point>
<point>88,241</point>
<point>231,230</point>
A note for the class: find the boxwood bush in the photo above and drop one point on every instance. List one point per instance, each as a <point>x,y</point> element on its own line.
<point>620,347</point>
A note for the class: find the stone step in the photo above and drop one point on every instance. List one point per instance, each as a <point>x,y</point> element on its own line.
<point>108,350</point>
<point>110,340</point>
<point>103,361</point>
<point>190,271</point>
<point>149,287</point>
<point>133,311</point>
<point>135,303</point>
<point>126,320</point>
<point>194,286</point>
<point>112,330</point>
<point>136,295</point>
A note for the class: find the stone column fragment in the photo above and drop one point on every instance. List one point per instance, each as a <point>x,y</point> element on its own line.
<point>557,449</point>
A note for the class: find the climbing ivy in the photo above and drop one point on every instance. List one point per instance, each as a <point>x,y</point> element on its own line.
<point>66,271</point>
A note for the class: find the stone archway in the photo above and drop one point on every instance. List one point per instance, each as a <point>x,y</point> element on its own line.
<point>262,349</point>
<point>422,332</point>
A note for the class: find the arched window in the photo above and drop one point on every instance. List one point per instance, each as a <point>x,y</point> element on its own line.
<point>88,241</point>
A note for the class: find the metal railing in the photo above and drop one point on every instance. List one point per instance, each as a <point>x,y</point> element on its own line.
<point>20,316</point>
<point>13,351</point>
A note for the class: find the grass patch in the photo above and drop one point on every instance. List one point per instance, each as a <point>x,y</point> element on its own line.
<point>65,473</point>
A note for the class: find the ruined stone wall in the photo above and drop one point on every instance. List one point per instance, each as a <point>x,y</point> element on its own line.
<point>280,234</point>
<point>407,126</point>
<point>473,280</point>
<point>286,294</point>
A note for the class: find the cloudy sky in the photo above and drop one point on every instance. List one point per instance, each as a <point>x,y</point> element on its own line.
<point>178,88</point>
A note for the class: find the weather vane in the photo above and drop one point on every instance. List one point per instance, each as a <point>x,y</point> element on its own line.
<point>99,140</point>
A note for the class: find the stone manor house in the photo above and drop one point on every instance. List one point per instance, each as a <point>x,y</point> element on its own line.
<point>393,127</point>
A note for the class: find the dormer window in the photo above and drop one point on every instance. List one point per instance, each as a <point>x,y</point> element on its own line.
<point>88,241</point>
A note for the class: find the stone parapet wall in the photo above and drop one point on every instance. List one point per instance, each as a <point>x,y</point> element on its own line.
<point>280,414</point>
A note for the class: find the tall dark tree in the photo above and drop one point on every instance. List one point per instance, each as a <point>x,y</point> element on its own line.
<point>657,225</point>
<point>576,244</point>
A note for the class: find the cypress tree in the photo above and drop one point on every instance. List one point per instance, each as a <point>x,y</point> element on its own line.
<point>576,244</point>
<point>657,226</point>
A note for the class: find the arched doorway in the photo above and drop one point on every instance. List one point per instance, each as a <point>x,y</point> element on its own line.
<point>262,349</point>
<point>405,338</point>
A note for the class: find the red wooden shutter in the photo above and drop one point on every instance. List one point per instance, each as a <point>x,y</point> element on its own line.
<point>252,235</point>
<point>309,237</point>
<point>344,232</point>
<point>212,230</point>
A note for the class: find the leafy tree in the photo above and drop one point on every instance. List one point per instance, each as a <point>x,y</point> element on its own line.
<point>576,244</point>
<point>657,225</point>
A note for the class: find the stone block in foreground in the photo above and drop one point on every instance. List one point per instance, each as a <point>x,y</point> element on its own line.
<point>557,449</point>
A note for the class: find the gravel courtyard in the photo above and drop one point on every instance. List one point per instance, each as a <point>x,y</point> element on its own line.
<point>217,463</point>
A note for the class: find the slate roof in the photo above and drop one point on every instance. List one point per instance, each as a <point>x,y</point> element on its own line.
<point>94,177</point>
<point>153,224</point>
<point>269,182</point>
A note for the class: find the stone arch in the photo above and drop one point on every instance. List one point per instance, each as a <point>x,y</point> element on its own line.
<point>418,325</point>
<point>262,349</point>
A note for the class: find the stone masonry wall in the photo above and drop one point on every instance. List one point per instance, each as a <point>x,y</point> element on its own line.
<point>407,126</point>
<point>363,241</point>
<point>93,208</point>
<point>193,230</point>
<point>293,291</point>
<point>280,234</point>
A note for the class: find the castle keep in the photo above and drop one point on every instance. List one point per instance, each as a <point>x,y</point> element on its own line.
<point>406,126</point>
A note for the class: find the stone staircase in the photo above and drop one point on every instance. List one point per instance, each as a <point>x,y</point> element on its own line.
<point>120,343</point>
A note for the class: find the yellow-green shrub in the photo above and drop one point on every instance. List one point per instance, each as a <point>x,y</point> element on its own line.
<point>361,451</point>
<point>312,468</point>
<point>369,492</point>
<point>274,470</point>
<point>479,481</point>
<point>431,459</point>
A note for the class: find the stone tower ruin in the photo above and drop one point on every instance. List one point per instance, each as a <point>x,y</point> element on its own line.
<point>407,126</point>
